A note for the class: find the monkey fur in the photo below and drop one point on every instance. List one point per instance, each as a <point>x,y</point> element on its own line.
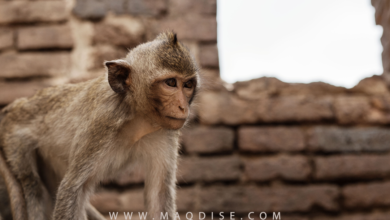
<point>60,143</point>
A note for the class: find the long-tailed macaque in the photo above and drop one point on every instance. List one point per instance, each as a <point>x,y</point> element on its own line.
<point>60,143</point>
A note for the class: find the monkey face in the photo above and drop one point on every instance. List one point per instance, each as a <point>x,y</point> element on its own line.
<point>170,98</point>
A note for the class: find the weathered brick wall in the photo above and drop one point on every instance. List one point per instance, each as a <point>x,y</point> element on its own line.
<point>309,151</point>
<point>35,46</point>
<point>44,43</point>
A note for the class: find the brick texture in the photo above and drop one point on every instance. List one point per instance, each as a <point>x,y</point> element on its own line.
<point>310,151</point>
<point>133,200</point>
<point>34,64</point>
<point>223,108</point>
<point>91,9</point>
<point>209,56</point>
<point>335,139</point>
<point>6,38</point>
<point>255,89</point>
<point>191,28</point>
<point>12,90</point>
<point>102,53</point>
<point>283,166</point>
<point>134,175</point>
<point>254,199</point>
<point>270,139</point>
<point>185,6</point>
<point>32,11</point>
<point>360,216</point>
<point>126,32</point>
<point>350,109</point>
<point>352,166</point>
<point>374,85</point>
<point>146,7</point>
<point>299,109</point>
<point>41,37</point>
<point>111,201</point>
<point>209,169</point>
<point>367,195</point>
<point>208,140</point>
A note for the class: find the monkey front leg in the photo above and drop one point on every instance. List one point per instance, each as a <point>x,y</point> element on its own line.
<point>72,199</point>
<point>160,190</point>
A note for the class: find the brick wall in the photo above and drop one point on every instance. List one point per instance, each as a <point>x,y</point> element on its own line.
<point>45,43</point>
<point>382,12</point>
<point>309,151</point>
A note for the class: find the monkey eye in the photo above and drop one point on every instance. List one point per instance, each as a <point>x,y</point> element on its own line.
<point>189,84</point>
<point>171,82</point>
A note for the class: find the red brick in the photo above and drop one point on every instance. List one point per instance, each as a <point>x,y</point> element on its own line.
<point>32,11</point>
<point>106,201</point>
<point>209,56</point>
<point>258,88</point>
<point>186,199</point>
<point>133,200</point>
<point>208,139</point>
<point>182,7</point>
<point>210,73</point>
<point>211,81</point>
<point>48,36</point>
<point>12,90</point>
<point>283,166</point>
<point>92,9</point>
<point>300,109</point>
<point>270,139</point>
<point>352,166</point>
<point>374,85</point>
<point>359,216</point>
<point>379,112</point>
<point>101,53</point>
<point>367,195</point>
<point>111,201</point>
<point>202,28</point>
<point>268,199</point>
<point>146,7</point>
<point>34,64</point>
<point>208,169</point>
<point>291,217</point>
<point>224,108</point>
<point>119,31</point>
<point>351,109</point>
<point>134,175</point>
<point>335,139</point>
<point>381,102</point>
<point>6,38</point>
<point>316,89</point>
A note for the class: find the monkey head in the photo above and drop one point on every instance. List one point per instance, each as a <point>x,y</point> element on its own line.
<point>159,79</point>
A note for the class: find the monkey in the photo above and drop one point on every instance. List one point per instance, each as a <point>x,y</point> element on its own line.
<point>61,142</point>
<point>11,185</point>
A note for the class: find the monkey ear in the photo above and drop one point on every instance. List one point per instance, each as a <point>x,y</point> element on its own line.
<point>174,41</point>
<point>118,75</point>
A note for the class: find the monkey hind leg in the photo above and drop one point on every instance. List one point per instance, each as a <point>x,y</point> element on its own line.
<point>5,208</point>
<point>21,156</point>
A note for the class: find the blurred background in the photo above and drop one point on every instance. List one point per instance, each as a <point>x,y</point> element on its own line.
<point>311,151</point>
<point>299,41</point>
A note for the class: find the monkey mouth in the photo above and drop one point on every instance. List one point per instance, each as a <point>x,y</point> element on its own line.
<point>181,119</point>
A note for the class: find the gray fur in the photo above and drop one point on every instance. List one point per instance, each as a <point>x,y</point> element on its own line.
<point>87,132</point>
